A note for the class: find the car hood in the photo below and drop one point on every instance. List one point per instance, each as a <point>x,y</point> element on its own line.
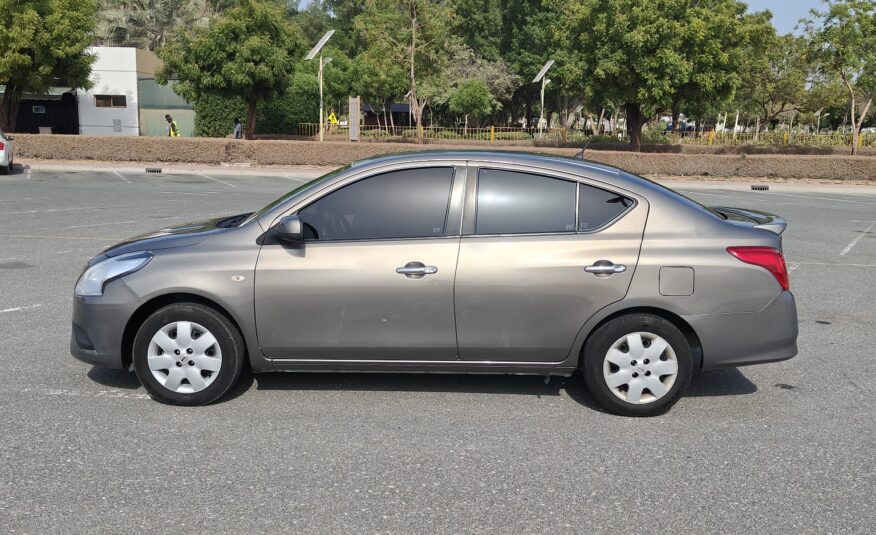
<point>177,236</point>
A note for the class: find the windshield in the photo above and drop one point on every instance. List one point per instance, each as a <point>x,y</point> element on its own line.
<point>295,192</point>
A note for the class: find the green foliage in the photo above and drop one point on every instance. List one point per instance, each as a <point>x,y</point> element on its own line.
<point>149,24</point>
<point>43,40</point>
<point>411,34</point>
<point>214,115</point>
<point>647,56</point>
<point>300,104</point>
<point>249,51</point>
<point>842,41</point>
<point>472,97</point>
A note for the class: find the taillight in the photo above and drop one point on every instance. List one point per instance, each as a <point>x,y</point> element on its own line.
<point>767,258</point>
<point>2,146</point>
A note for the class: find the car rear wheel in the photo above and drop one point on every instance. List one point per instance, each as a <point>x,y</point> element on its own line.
<point>637,365</point>
<point>188,354</point>
<point>4,169</point>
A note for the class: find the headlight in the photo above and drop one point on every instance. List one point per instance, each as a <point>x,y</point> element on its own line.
<point>95,278</point>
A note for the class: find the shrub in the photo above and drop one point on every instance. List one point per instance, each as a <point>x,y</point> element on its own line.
<point>214,115</point>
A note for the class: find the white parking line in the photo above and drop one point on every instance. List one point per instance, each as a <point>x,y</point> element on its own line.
<point>101,224</point>
<point>19,309</point>
<point>49,210</point>
<point>832,264</point>
<point>188,193</point>
<point>27,175</point>
<point>854,242</point>
<point>31,237</point>
<point>121,176</point>
<point>815,198</point>
<point>217,180</point>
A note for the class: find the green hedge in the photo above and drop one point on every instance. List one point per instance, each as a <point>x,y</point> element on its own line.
<point>214,115</point>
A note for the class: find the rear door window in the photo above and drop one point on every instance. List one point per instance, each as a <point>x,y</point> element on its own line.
<point>512,202</point>
<point>411,203</point>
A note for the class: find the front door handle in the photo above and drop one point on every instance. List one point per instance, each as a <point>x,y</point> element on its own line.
<point>416,270</point>
<point>605,267</point>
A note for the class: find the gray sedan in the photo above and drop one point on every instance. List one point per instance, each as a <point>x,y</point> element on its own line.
<point>455,262</point>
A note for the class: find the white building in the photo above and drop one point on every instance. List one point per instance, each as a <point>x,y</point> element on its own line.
<point>114,106</point>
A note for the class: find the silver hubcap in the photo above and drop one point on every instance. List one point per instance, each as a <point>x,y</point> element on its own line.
<point>184,357</point>
<point>640,368</point>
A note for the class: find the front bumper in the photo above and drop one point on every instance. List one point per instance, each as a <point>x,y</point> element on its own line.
<point>99,325</point>
<point>752,338</point>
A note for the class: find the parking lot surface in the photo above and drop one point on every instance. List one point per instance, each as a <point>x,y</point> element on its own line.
<point>785,447</point>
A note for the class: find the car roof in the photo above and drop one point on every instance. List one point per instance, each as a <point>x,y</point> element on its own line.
<point>585,168</point>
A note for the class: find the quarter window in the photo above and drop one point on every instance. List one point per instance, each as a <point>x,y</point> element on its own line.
<point>411,203</point>
<point>511,202</point>
<point>596,207</point>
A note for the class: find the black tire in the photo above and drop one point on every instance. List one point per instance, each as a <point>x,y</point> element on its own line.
<point>602,340</point>
<point>228,338</point>
<point>4,170</point>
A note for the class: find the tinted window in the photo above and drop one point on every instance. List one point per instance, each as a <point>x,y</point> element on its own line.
<point>522,203</point>
<point>596,207</point>
<point>401,204</point>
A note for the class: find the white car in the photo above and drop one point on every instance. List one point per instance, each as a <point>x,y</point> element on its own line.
<point>5,153</point>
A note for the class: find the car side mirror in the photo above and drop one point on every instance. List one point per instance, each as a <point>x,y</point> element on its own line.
<point>290,230</point>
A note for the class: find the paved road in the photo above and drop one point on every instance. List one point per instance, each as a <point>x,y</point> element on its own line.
<point>785,447</point>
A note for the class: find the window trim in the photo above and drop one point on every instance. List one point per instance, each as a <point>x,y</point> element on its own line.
<point>469,223</point>
<point>111,99</point>
<point>451,230</point>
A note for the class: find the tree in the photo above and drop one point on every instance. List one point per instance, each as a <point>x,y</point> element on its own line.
<point>775,76</point>
<point>149,24</point>
<point>472,97</point>
<point>647,56</point>
<point>44,43</point>
<point>249,51</point>
<point>843,41</point>
<point>411,33</point>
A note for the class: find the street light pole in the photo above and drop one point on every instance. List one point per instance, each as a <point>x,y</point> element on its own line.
<point>544,81</point>
<point>317,49</point>
<point>321,114</point>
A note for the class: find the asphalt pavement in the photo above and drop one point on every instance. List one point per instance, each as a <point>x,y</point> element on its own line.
<point>778,448</point>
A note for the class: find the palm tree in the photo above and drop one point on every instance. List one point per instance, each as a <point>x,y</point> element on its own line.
<point>149,24</point>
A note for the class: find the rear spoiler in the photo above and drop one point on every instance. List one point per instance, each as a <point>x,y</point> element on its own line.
<point>753,218</point>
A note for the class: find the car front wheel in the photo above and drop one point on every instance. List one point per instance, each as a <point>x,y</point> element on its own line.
<point>188,354</point>
<point>637,365</point>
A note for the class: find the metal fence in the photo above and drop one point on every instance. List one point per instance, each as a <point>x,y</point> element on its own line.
<point>492,134</point>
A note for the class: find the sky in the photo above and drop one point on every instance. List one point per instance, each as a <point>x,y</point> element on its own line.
<point>786,13</point>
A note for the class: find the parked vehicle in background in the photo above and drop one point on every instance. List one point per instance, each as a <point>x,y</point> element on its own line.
<point>459,262</point>
<point>6,153</point>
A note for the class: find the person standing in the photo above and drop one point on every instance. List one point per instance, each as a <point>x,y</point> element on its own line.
<point>238,130</point>
<point>172,127</point>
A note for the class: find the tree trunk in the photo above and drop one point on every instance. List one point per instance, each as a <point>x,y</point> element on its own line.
<point>251,120</point>
<point>676,114</point>
<point>9,109</point>
<point>635,121</point>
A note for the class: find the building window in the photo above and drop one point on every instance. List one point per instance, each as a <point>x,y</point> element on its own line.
<point>110,101</point>
<point>39,109</point>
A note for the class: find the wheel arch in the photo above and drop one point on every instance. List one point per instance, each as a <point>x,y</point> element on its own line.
<point>147,308</point>
<point>693,340</point>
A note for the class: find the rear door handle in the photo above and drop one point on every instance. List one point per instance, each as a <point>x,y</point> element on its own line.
<point>605,267</point>
<point>416,270</point>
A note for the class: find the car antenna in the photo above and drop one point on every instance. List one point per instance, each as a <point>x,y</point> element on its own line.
<point>580,155</point>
